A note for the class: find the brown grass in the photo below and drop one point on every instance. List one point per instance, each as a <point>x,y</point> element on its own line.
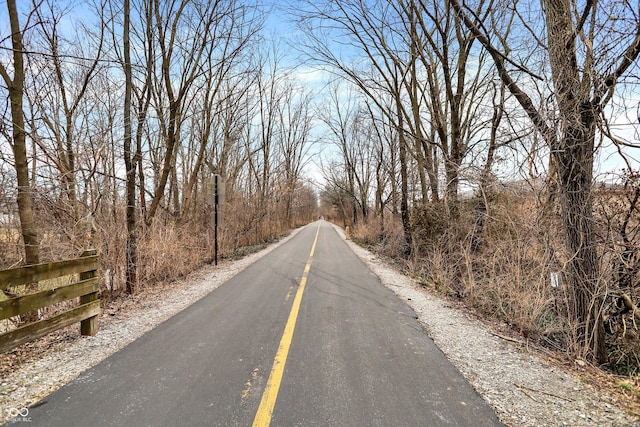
<point>167,250</point>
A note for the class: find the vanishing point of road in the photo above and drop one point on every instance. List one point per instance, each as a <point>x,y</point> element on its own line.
<point>305,336</point>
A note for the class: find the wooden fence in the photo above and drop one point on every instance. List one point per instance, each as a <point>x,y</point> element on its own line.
<point>86,289</point>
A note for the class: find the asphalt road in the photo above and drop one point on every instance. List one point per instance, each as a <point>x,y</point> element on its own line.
<point>293,340</point>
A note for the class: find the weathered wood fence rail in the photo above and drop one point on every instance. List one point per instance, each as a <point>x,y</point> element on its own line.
<point>86,289</point>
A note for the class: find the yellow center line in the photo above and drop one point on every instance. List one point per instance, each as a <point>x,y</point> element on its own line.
<point>270,394</point>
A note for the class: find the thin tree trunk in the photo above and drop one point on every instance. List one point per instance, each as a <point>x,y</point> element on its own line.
<point>404,188</point>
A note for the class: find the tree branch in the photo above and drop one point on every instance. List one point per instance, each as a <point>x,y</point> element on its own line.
<point>499,60</point>
<point>628,303</point>
<point>629,57</point>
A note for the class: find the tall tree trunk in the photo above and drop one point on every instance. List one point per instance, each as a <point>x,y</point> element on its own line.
<point>574,156</point>
<point>452,170</point>
<point>575,181</point>
<point>16,88</point>
<point>130,164</point>
<point>415,97</point>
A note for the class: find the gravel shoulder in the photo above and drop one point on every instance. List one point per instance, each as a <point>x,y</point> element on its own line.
<point>525,388</point>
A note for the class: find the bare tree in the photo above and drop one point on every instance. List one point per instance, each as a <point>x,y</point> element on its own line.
<point>223,59</point>
<point>62,76</point>
<point>339,116</point>
<point>355,133</point>
<point>228,155</point>
<point>186,32</point>
<point>370,30</point>
<point>384,159</point>
<point>417,56</point>
<point>294,143</point>
<point>584,81</point>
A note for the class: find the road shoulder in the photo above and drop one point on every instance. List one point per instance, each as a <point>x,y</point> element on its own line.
<point>523,388</point>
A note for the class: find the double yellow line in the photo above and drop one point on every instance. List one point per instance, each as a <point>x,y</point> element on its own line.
<point>270,394</point>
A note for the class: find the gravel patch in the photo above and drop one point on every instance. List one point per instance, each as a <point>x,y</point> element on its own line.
<point>523,388</point>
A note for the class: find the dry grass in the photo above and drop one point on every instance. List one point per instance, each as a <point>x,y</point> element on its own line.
<point>10,246</point>
<point>167,250</point>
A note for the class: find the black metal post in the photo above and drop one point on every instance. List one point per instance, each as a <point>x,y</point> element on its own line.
<point>215,229</point>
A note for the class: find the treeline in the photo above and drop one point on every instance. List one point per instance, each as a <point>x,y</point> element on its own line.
<point>469,135</point>
<point>118,114</point>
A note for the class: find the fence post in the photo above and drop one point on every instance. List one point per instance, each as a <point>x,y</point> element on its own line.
<point>89,326</point>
